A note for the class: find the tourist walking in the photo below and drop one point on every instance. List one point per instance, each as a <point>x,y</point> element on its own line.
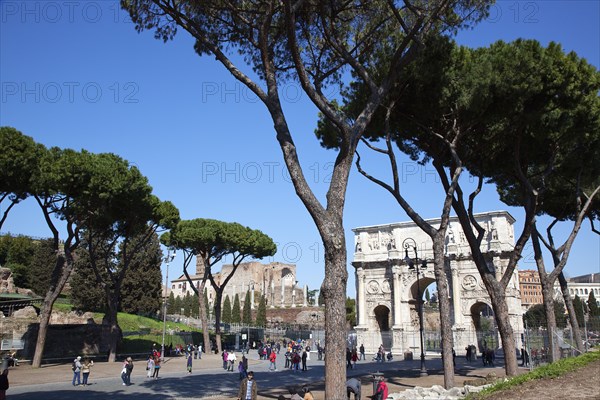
<point>189,363</point>
<point>354,357</point>
<point>150,366</point>
<point>85,370</point>
<point>76,371</point>
<point>362,352</point>
<point>225,357</point>
<point>348,358</point>
<point>241,370</point>
<point>126,371</point>
<point>524,358</point>
<point>272,359</point>
<point>248,388</point>
<point>231,359</point>
<point>288,359</point>
<point>3,384</point>
<point>245,364</point>
<point>156,367</point>
<point>304,357</point>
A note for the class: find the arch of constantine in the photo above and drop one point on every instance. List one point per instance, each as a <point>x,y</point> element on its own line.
<point>387,290</point>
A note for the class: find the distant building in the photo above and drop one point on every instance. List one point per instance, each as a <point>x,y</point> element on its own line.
<point>530,287</point>
<point>581,286</point>
<point>276,281</point>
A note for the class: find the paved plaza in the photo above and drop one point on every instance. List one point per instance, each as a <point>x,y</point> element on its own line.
<point>210,381</point>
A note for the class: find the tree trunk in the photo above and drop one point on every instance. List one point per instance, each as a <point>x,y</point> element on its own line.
<point>110,319</point>
<point>334,292</point>
<point>504,327</point>
<point>441,280</point>
<point>547,283</point>
<point>218,296</point>
<point>204,317</point>
<point>564,287</point>
<point>45,313</point>
<point>548,299</point>
<point>62,269</point>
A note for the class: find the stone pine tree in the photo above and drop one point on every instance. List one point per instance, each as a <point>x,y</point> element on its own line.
<point>321,47</point>
<point>548,150</point>
<point>210,240</point>
<point>236,316</point>
<point>261,313</point>
<point>19,162</point>
<point>247,311</point>
<point>116,231</point>
<point>226,312</point>
<point>61,182</point>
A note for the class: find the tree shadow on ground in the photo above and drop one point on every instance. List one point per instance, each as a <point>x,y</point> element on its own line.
<point>87,394</point>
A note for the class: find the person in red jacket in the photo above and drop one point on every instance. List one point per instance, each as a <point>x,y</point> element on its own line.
<point>272,358</point>
<point>382,390</point>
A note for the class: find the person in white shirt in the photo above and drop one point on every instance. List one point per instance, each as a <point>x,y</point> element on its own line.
<point>231,358</point>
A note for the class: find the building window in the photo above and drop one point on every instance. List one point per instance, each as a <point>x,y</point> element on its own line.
<point>179,286</point>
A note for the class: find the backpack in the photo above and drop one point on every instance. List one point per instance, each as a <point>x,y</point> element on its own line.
<point>73,366</point>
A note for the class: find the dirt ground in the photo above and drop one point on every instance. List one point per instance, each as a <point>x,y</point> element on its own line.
<point>581,384</point>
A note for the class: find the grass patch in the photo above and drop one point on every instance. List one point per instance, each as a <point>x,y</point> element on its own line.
<point>62,307</point>
<point>553,370</point>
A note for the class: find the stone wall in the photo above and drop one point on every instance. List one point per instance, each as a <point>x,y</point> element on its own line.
<point>69,334</point>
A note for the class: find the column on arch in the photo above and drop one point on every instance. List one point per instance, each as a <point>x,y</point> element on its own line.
<point>360,275</point>
<point>458,317</point>
<point>396,300</point>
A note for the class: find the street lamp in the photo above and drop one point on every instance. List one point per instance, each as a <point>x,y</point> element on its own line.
<point>170,256</point>
<point>414,265</point>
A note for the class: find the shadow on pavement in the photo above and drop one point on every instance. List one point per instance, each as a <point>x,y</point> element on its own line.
<point>88,394</point>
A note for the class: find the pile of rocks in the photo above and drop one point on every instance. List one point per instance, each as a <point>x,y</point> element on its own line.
<point>436,392</point>
<point>7,284</point>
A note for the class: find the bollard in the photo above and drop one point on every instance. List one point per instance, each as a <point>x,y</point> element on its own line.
<point>376,376</point>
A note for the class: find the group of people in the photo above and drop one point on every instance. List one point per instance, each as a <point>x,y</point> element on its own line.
<point>353,387</point>
<point>381,355</point>
<point>81,368</point>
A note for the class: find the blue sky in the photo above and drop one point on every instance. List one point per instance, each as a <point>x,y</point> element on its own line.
<point>76,74</point>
